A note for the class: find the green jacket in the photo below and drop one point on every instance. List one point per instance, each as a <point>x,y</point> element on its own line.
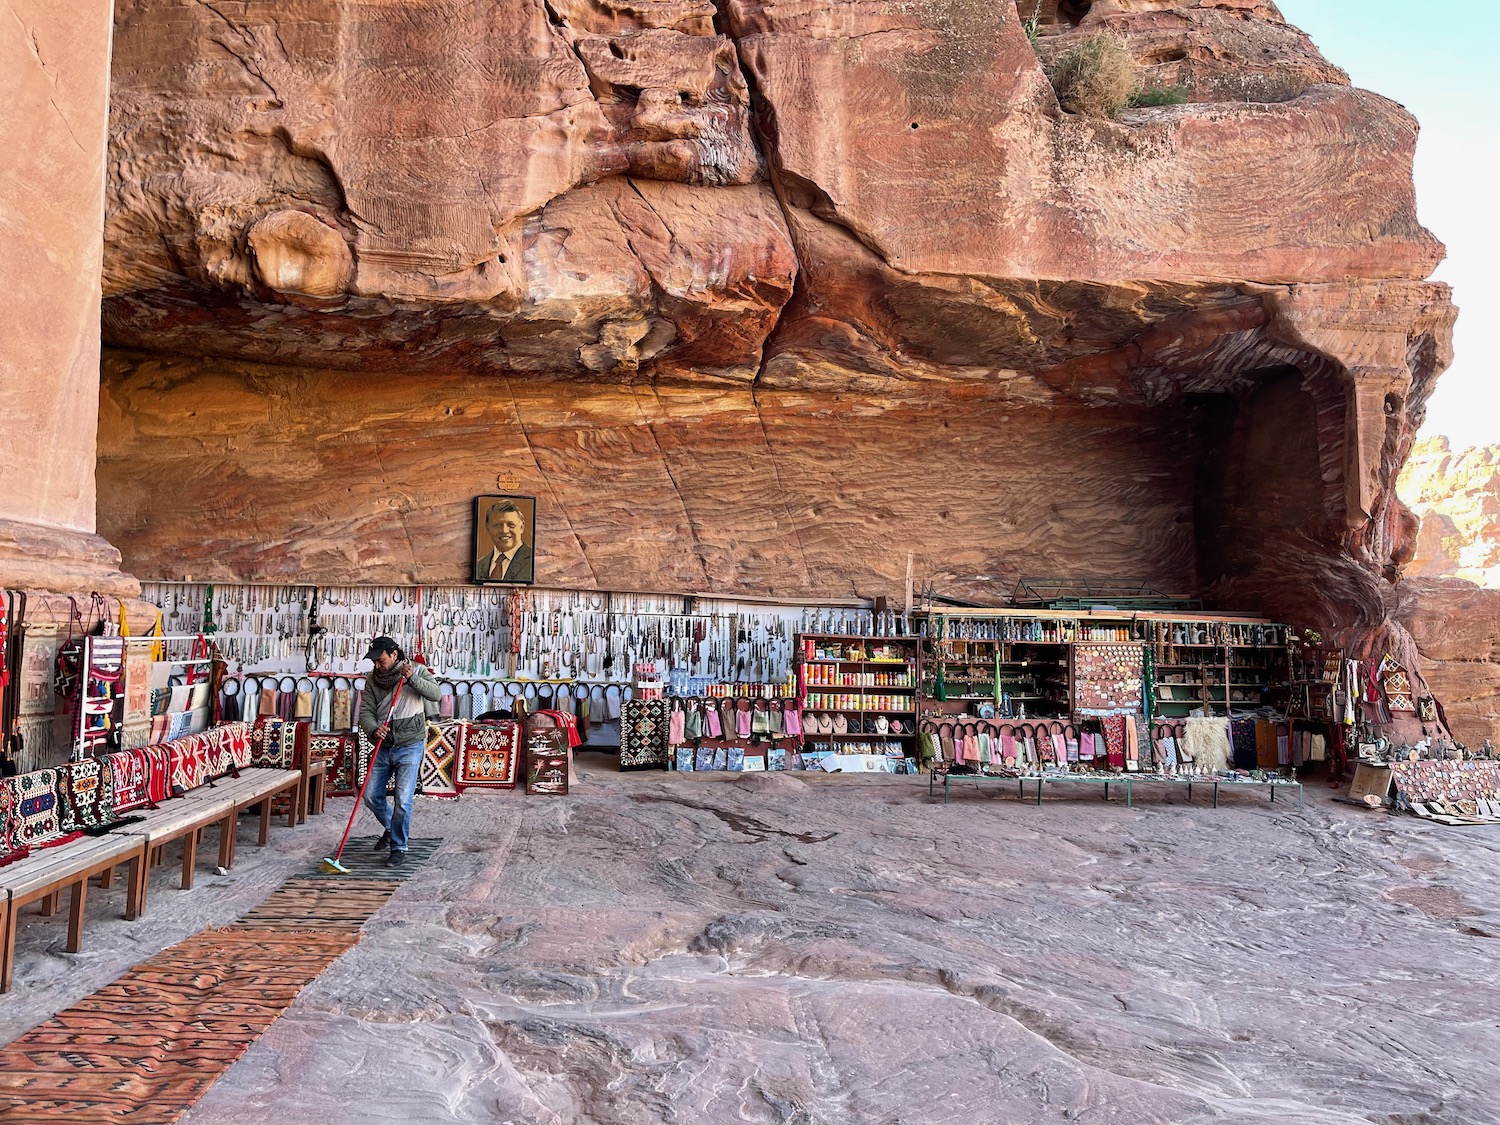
<point>410,724</point>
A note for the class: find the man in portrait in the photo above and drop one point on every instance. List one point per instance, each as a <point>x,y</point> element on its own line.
<point>511,558</point>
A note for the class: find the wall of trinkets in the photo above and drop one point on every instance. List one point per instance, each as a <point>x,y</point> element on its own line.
<point>639,671</point>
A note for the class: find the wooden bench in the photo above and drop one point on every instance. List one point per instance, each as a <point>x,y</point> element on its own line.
<point>255,786</point>
<point>44,875</point>
<point>219,803</point>
<point>178,819</point>
<point>47,873</point>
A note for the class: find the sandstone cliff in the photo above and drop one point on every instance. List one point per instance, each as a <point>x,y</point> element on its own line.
<point>761,296</point>
<point>1456,493</point>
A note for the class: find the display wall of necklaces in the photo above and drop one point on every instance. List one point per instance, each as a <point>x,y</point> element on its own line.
<point>491,632</point>
<point>331,702</point>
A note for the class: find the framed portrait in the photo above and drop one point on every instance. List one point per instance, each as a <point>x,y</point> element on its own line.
<point>505,539</point>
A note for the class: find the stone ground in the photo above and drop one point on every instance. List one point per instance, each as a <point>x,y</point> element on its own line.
<point>765,948</point>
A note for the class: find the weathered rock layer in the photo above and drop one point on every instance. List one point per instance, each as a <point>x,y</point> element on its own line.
<point>761,297</point>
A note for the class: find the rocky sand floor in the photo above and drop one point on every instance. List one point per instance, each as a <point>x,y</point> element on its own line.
<point>765,948</point>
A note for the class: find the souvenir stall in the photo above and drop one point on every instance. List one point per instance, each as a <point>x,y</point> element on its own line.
<point>694,683</point>
<point>1094,695</point>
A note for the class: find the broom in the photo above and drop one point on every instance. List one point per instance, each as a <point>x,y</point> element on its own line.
<point>333,866</point>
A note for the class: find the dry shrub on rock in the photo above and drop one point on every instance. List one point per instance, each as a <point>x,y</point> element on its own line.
<point>1097,78</point>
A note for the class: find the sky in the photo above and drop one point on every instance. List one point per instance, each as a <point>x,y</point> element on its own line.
<point>1442,62</point>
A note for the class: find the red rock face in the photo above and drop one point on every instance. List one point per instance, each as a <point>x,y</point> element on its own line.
<point>1457,495</point>
<point>1456,627</point>
<point>756,297</point>
<point>54,82</point>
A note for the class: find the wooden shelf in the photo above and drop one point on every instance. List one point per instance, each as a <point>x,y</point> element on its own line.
<point>868,736</point>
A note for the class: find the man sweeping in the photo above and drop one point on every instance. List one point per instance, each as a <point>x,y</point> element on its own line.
<point>401,738</point>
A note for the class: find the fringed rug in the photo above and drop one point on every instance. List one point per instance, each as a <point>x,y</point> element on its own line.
<point>144,1049</point>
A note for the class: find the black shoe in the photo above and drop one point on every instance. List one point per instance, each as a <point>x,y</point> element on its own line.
<point>384,841</point>
<point>395,859</point>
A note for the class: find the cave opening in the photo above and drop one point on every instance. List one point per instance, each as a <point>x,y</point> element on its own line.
<point>1258,492</point>
<point>1052,13</point>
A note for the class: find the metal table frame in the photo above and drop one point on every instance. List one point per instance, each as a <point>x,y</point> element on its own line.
<point>1125,779</point>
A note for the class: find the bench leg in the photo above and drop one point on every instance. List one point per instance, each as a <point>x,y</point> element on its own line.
<point>75,916</point>
<point>106,878</point>
<point>294,817</point>
<point>135,894</point>
<point>227,828</point>
<point>51,904</point>
<point>265,821</point>
<point>7,944</point>
<point>189,858</point>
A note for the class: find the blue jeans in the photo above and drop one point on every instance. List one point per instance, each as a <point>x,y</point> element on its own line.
<point>404,762</point>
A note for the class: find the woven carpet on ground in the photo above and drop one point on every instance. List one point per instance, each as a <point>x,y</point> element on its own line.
<point>332,904</point>
<point>364,862</point>
<point>144,1049</point>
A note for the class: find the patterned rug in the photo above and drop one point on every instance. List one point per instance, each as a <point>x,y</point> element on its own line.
<point>144,1049</point>
<point>488,756</point>
<point>273,743</point>
<point>338,751</point>
<point>440,760</point>
<point>330,904</point>
<point>643,734</point>
<point>88,793</point>
<point>35,808</point>
<point>140,777</point>
<point>188,759</point>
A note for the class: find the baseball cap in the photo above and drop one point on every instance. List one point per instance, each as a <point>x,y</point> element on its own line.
<point>379,645</point>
